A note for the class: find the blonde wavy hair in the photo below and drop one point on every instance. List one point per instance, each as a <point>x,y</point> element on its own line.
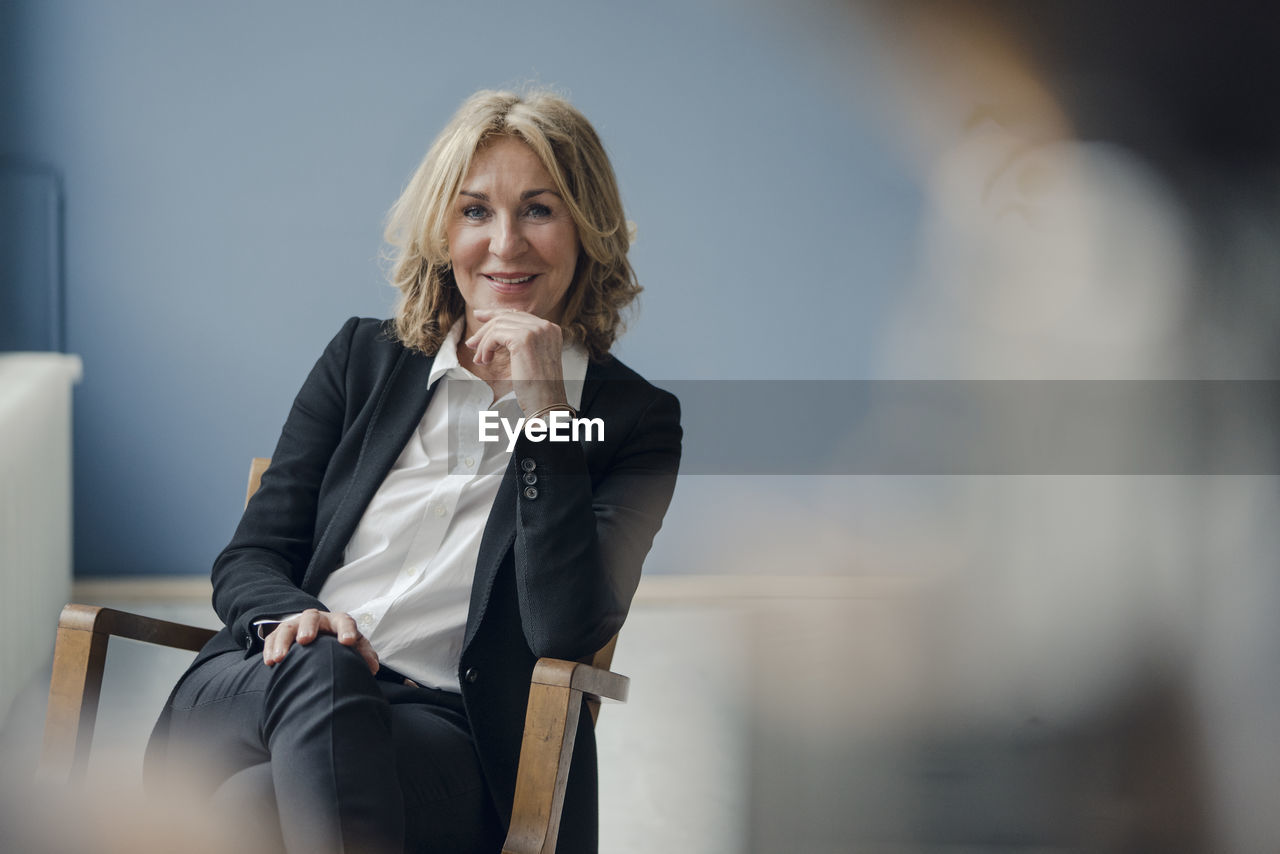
<point>568,146</point>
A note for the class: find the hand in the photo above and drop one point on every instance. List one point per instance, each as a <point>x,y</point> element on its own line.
<point>309,625</point>
<point>532,346</point>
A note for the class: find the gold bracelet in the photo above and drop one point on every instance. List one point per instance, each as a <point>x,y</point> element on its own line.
<point>573,413</point>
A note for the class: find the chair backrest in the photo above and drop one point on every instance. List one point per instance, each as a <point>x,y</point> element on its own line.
<point>256,467</point>
<point>603,658</point>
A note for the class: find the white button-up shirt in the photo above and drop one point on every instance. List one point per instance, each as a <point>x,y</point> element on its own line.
<point>407,570</point>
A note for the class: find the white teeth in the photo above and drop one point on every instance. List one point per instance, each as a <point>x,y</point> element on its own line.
<point>511,281</point>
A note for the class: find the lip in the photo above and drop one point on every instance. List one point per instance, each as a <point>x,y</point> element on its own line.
<point>510,282</point>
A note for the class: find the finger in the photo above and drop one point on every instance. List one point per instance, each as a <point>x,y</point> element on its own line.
<point>474,338</point>
<point>495,318</point>
<point>489,348</point>
<point>506,336</point>
<point>344,627</point>
<point>308,626</point>
<point>486,314</point>
<point>368,654</point>
<point>482,341</point>
<point>278,642</point>
<point>487,343</point>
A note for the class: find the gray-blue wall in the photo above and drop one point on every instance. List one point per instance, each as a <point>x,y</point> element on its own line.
<point>227,167</point>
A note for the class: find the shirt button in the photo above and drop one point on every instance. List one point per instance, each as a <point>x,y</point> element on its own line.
<point>528,464</point>
<point>531,492</point>
<point>365,621</point>
<point>438,509</point>
<point>469,462</point>
<point>472,674</point>
<point>530,478</point>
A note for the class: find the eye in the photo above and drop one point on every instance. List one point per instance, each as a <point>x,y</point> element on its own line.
<point>474,212</point>
<point>537,211</point>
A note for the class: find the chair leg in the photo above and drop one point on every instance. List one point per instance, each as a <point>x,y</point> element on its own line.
<point>78,660</point>
<point>551,726</point>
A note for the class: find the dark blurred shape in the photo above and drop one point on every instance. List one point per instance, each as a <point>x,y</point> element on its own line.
<point>1179,82</point>
<point>1190,88</point>
<point>1185,84</point>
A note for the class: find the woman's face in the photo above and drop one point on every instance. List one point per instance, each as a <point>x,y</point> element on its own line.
<point>512,241</point>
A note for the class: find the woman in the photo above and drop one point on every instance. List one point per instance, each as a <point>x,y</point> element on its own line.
<point>393,581</point>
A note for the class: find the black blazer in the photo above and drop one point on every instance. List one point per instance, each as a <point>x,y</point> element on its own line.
<point>559,560</point>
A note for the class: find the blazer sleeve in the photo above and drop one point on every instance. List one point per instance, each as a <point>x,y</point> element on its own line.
<point>258,575</point>
<point>580,545</point>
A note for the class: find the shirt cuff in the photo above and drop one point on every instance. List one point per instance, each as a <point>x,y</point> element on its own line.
<point>273,623</point>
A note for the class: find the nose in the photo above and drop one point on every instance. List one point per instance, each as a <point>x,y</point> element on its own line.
<point>507,240</point>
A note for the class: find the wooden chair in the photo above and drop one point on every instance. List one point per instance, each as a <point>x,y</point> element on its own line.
<point>555,698</point>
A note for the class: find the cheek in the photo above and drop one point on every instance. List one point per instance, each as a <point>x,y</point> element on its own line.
<point>568,250</point>
<point>462,249</point>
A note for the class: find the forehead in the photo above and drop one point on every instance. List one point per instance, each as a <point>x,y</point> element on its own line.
<point>506,160</point>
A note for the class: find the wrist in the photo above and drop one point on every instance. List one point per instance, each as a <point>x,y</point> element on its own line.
<point>562,405</point>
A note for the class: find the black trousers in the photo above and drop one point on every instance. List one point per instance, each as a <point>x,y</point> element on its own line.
<point>315,754</point>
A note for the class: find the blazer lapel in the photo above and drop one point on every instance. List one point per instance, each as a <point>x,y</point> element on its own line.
<point>396,415</point>
<point>591,384</point>
<point>499,535</point>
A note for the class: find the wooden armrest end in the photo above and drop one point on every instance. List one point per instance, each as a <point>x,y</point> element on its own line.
<point>596,683</point>
<point>108,621</point>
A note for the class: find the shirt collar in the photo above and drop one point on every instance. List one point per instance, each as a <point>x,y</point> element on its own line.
<point>573,364</point>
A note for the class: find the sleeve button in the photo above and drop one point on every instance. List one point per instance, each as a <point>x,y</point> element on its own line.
<point>530,478</point>
<point>528,464</point>
<point>471,675</point>
<point>531,492</point>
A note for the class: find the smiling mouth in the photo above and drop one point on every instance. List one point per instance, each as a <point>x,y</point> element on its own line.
<point>511,280</point>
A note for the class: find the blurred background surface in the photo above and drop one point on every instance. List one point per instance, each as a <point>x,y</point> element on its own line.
<point>226,171</point>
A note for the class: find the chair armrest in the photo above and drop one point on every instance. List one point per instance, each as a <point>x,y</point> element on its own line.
<point>556,692</point>
<point>79,656</point>
<point>122,624</point>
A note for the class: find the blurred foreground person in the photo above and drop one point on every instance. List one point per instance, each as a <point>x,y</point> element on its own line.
<point>1088,663</point>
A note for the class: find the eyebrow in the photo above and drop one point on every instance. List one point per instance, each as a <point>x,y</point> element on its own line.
<point>527,194</point>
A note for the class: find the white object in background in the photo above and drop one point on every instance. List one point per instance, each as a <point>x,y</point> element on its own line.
<point>35,510</point>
